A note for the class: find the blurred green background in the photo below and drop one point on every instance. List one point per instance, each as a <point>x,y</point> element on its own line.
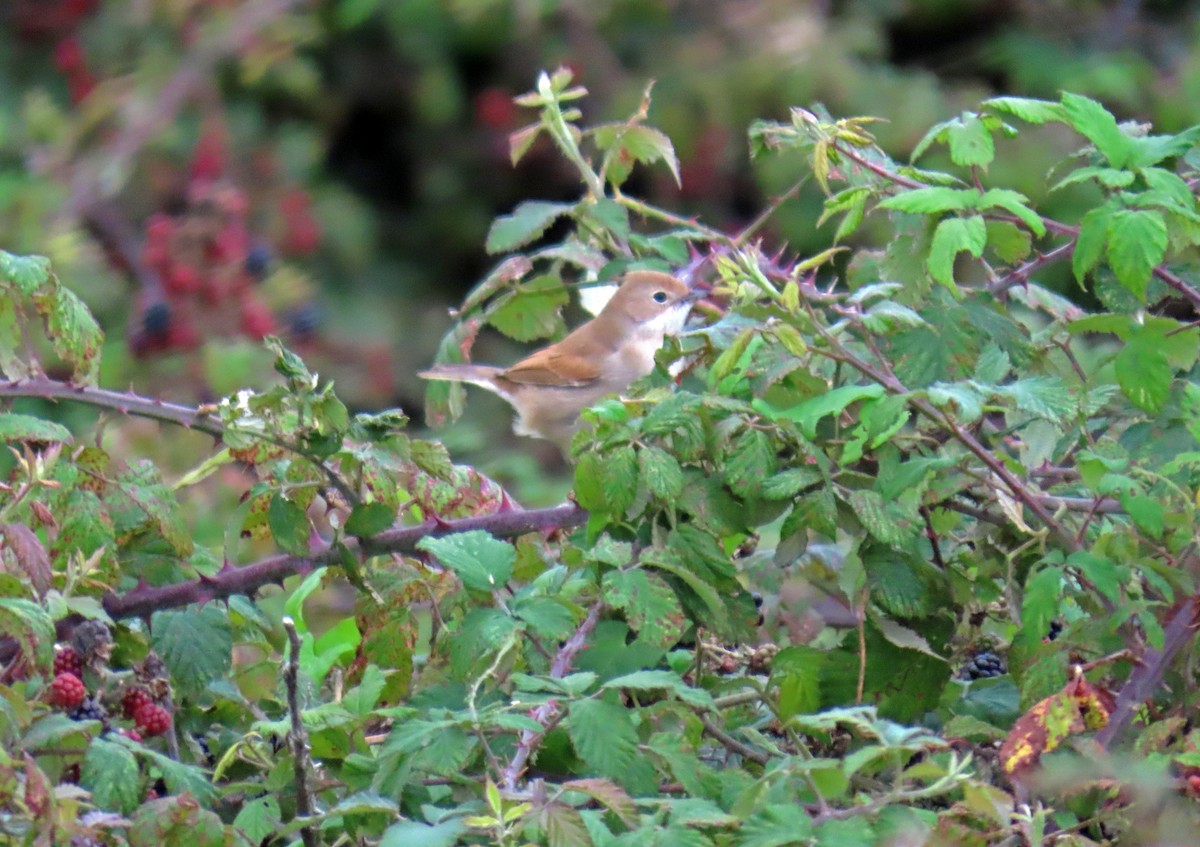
<point>355,152</point>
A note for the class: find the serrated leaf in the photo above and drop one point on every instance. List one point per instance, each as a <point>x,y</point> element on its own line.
<point>1045,396</point>
<point>808,414</point>
<point>482,562</point>
<point>776,825</point>
<point>533,311</point>
<point>1089,244</point>
<point>289,525</point>
<point>73,332</point>
<point>417,834</point>
<point>660,472</point>
<point>1146,511</point>
<point>195,643</point>
<point>993,365</point>
<point>110,773</point>
<point>1014,203</point>
<point>887,315</point>
<point>1144,373</point>
<point>1027,109</point>
<point>527,223</point>
<point>259,818</point>
<point>967,398</point>
<point>953,236</point>
<point>30,626</point>
<point>1093,121</point>
<point>796,678</point>
<point>367,519</point>
<point>749,462</point>
<point>618,471</point>
<point>650,606</point>
<point>1137,242</point>
<point>26,273</point>
<point>879,520</point>
<point>629,143</point>
<point>652,680</point>
<point>902,636</point>
<point>931,201</point>
<point>17,427</point>
<point>603,735</point>
<point>970,142</point>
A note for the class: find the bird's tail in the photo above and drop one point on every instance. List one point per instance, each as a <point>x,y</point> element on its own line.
<point>475,374</point>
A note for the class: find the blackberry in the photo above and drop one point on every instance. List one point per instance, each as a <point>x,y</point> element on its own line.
<point>304,320</point>
<point>983,665</point>
<point>157,319</point>
<point>258,261</point>
<point>90,710</point>
<point>1055,629</point>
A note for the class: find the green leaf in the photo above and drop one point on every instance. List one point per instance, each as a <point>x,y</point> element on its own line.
<point>776,825</point>
<point>1137,242</point>
<point>289,525</point>
<point>259,818</point>
<point>1146,511</point>
<point>953,236</point>
<point>30,626</point>
<point>16,427</point>
<point>1045,396</point>
<point>931,201</point>
<point>1097,124</point>
<point>619,478</point>
<point>749,462</point>
<point>970,142</point>
<point>850,832</point>
<point>195,643</point>
<point>482,562</point>
<point>26,273</point>
<point>1039,605</point>
<point>532,311</point>
<point>110,773</point>
<point>1144,373</point>
<point>1027,109</point>
<point>809,413</point>
<point>1016,204</point>
<point>880,520</point>
<point>73,332</point>
<point>660,472</point>
<point>629,143</point>
<point>603,735</point>
<point>367,519</point>
<point>796,677</point>
<point>417,834</point>
<point>653,680</point>
<point>966,397</point>
<point>1089,244</point>
<point>528,222</point>
<point>650,606</point>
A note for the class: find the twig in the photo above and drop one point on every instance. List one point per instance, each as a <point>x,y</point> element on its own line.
<point>1147,675</point>
<point>549,713</point>
<point>1021,275</point>
<point>298,737</point>
<point>732,744</point>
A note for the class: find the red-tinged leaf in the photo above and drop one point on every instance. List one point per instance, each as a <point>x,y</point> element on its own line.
<point>30,555</point>
<point>629,143</point>
<point>26,273</point>
<point>608,794</point>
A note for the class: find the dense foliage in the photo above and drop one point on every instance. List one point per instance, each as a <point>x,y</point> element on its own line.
<point>903,552</point>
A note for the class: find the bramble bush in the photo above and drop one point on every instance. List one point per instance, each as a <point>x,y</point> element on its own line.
<point>896,547</point>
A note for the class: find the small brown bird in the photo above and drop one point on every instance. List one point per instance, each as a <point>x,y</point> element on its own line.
<point>603,356</point>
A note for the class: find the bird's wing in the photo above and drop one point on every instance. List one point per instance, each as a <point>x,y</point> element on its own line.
<point>552,367</point>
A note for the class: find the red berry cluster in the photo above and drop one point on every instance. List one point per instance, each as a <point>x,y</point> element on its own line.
<point>67,660</point>
<point>208,262</point>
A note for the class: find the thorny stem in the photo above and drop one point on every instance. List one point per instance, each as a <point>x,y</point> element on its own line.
<point>297,735</point>
<point>550,713</point>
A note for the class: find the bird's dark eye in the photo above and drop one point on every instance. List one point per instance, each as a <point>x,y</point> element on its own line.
<point>660,296</point>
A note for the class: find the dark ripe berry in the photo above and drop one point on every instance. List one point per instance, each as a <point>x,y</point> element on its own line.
<point>1055,629</point>
<point>133,699</point>
<point>304,320</point>
<point>90,709</point>
<point>258,261</point>
<point>66,660</point>
<point>67,691</point>
<point>982,665</point>
<point>152,719</point>
<point>157,319</point>
<point>256,319</point>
